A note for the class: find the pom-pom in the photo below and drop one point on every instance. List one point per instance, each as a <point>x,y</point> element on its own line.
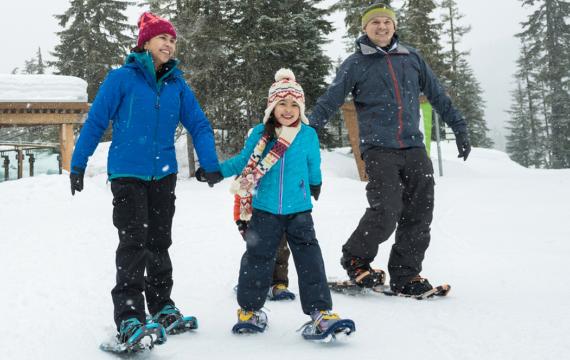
<point>284,74</point>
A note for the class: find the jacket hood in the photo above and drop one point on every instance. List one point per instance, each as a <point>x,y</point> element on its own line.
<point>365,46</point>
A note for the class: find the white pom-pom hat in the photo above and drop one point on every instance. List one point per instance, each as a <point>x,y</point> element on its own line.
<point>283,87</point>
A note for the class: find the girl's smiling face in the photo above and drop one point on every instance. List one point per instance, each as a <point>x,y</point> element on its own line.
<point>287,111</point>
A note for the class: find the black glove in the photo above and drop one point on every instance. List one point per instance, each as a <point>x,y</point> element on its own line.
<point>463,146</point>
<point>315,191</point>
<point>76,179</point>
<point>242,227</point>
<point>210,177</point>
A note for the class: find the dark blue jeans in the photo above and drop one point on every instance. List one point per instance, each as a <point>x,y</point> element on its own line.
<point>263,236</point>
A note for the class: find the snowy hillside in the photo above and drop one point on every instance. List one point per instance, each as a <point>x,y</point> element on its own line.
<point>500,237</point>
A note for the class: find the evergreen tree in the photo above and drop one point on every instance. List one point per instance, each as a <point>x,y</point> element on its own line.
<point>418,28</point>
<point>547,36</point>
<point>519,141</point>
<point>41,67</point>
<point>469,101</point>
<point>529,83</point>
<point>35,65</point>
<point>30,67</point>
<point>454,33</point>
<point>462,85</point>
<point>94,40</point>
<point>274,34</point>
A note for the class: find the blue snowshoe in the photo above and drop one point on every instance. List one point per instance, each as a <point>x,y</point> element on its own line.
<point>173,321</point>
<point>135,337</point>
<point>326,326</point>
<point>250,322</point>
<point>280,292</point>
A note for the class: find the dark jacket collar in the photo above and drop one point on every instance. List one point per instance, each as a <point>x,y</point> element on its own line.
<point>365,46</point>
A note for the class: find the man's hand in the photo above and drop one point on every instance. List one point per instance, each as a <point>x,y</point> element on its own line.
<point>463,145</point>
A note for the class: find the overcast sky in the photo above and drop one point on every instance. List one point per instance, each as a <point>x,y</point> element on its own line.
<point>29,24</point>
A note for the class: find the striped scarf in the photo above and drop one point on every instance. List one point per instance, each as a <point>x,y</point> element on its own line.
<point>245,184</point>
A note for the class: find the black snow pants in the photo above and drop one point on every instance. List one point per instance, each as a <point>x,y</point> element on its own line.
<point>142,214</point>
<point>263,236</point>
<point>400,194</point>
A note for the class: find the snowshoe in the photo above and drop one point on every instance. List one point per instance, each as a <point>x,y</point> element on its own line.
<point>439,291</point>
<point>280,292</point>
<point>135,337</point>
<point>347,287</point>
<point>250,322</point>
<point>326,326</point>
<point>173,321</point>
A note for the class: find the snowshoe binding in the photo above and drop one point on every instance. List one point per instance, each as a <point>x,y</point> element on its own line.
<point>135,337</point>
<point>280,292</point>
<point>250,322</point>
<point>173,321</point>
<point>418,288</point>
<point>326,326</point>
<point>361,281</point>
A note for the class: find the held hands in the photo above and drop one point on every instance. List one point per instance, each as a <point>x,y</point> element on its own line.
<point>315,191</point>
<point>76,180</point>
<point>463,145</point>
<point>210,177</point>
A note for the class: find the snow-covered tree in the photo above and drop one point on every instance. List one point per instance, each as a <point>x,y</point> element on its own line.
<point>96,38</point>
<point>547,36</point>
<point>462,85</point>
<point>35,65</point>
<point>418,28</point>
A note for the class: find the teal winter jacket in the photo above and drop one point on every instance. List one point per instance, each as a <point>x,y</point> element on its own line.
<point>284,189</point>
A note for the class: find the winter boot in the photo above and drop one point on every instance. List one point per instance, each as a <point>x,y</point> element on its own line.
<point>326,326</point>
<point>280,292</point>
<point>415,287</point>
<point>173,321</point>
<point>361,273</point>
<point>250,322</point>
<point>134,336</point>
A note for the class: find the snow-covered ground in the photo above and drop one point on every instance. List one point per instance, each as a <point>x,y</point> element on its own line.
<point>500,236</point>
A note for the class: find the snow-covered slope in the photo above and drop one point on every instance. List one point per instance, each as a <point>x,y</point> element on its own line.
<point>500,237</point>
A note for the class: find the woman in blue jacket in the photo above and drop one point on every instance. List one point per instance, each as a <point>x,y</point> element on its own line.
<point>278,171</point>
<point>145,100</point>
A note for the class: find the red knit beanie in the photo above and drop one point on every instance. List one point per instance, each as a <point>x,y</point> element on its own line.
<point>151,25</point>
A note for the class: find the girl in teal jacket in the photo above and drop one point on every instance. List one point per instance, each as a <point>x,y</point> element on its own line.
<point>276,171</point>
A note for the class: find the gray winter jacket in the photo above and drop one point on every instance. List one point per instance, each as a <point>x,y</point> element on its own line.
<point>386,87</point>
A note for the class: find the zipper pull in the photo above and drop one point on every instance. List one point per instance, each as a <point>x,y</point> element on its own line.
<point>157,104</point>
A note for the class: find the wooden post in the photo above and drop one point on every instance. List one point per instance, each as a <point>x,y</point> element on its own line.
<point>20,158</point>
<point>66,143</point>
<point>191,159</point>
<point>351,122</point>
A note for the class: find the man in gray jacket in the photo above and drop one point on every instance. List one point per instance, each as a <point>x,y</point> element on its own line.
<point>386,79</point>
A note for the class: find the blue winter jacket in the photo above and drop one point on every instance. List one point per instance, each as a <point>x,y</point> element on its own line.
<point>144,113</point>
<point>386,87</point>
<point>284,189</point>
